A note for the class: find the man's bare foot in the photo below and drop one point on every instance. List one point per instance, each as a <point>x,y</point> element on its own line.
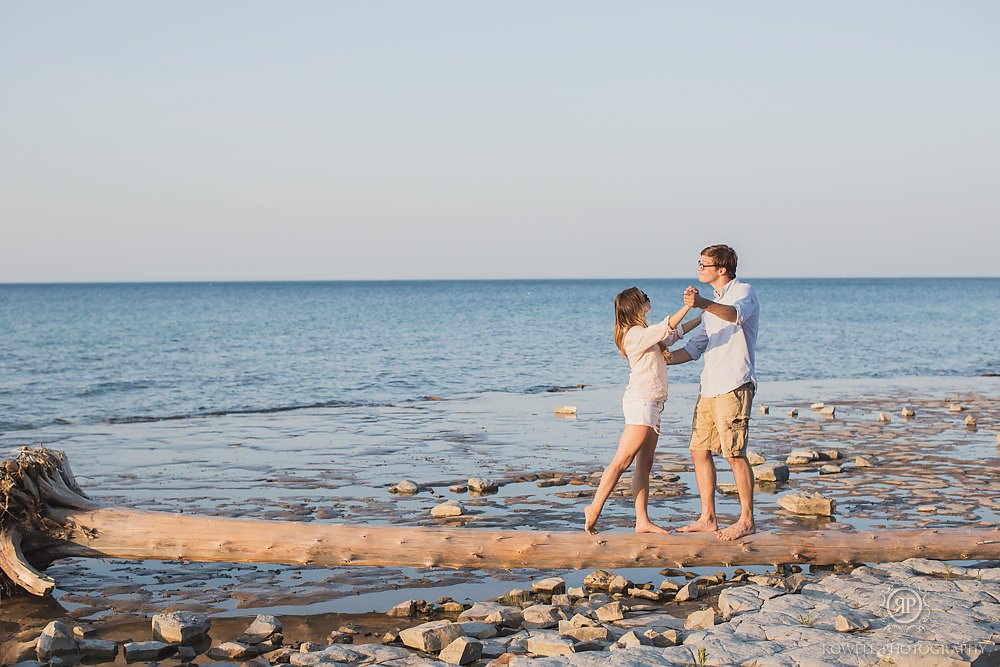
<point>739,529</point>
<point>700,526</point>
<point>650,527</point>
<point>590,520</point>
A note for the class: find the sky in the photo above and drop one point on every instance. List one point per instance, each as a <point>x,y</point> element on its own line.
<point>376,140</point>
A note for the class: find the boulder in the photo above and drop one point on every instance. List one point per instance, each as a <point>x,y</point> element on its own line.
<point>808,503</point>
<point>181,627</point>
<point>506,617</point>
<point>481,485</point>
<point>148,651</point>
<point>263,628</point>
<point>770,472</point>
<point>633,639</point>
<point>57,639</point>
<point>478,630</point>
<point>549,644</point>
<point>863,462</point>
<point>700,620</point>
<point>550,586</point>
<point>232,651</point>
<point>830,469</point>
<point>542,616</point>
<point>598,580</point>
<point>406,487</point>
<point>613,611</point>
<point>99,649</point>
<point>432,636</point>
<point>406,609</point>
<point>851,623</point>
<point>447,509</point>
<point>462,651</point>
<point>687,592</point>
<point>587,634</point>
<point>755,458</point>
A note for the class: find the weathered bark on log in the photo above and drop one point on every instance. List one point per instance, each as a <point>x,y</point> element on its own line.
<point>63,523</point>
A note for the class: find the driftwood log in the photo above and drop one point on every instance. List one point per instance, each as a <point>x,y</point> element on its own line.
<point>45,516</point>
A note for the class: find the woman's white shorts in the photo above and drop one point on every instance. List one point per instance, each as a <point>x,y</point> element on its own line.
<point>643,412</point>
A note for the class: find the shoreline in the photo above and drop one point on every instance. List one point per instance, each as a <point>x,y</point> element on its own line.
<point>932,458</point>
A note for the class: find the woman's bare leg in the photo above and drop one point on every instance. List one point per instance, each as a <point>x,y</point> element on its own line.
<point>640,485</point>
<point>629,445</point>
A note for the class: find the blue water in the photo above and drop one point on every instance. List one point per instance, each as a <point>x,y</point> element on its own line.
<point>130,352</point>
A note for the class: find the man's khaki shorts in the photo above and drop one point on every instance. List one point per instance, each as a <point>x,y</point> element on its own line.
<point>721,423</point>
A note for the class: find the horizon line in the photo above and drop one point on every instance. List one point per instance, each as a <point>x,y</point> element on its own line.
<point>453,280</point>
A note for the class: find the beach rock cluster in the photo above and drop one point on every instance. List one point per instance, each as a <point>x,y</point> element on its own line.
<point>915,612</point>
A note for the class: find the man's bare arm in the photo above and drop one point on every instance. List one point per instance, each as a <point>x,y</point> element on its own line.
<point>727,313</point>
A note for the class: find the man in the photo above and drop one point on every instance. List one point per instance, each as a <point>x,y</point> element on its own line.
<point>726,337</point>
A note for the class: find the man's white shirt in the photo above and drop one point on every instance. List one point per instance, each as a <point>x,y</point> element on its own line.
<point>728,347</point>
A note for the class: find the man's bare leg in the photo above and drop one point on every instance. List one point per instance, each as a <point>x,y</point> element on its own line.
<point>704,475</point>
<point>743,472</point>
<point>628,446</point>
<point>640,486</point>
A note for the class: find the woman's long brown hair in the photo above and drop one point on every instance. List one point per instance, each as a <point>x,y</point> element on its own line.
<point>629,307</point>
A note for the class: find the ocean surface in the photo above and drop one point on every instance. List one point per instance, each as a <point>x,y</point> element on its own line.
<point>86,354</point>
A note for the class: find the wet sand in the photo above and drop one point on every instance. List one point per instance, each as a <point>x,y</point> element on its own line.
<point>335,465</point>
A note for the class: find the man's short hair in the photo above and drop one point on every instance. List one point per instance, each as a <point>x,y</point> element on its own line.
<point>723,257</point>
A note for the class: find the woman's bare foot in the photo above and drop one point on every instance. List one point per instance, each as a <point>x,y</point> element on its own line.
<point>590,519</point>
<point>741,528</point>
<point>702,525</point>
<point>650,527</point>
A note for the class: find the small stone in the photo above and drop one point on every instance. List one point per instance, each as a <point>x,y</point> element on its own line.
<point>863,462</point>
<point>481,485</point>
<point>458,488</point>
<point>764,409</point>
<point>598,580</point>
<point>550,586</point>
<point>262,629</point>
<point>406,609</point>
<point>147,651</point>
<point>453,607</point>
<point>549,644</point>
<point>955,407</point>
<point>390,637</point>
<point>927,509</point>
<point>632,639</point>
<point>562,600</point>
<point>700,620</point>
<point>689,591</point>
<point>884,417</point>
<point>663,638</point>
<point>516,596</point>
<point>644,594</point>
<point>828,410</point>
<point>310,647</point>
<point>542,616</point>
<point>565,411</point>
<point>794,412</point>
<point>829,454</point>
<point>618,584</point>
<point>830,469</point>
<point>755,458</point>
<point>447,509</point>
<point>817,406</point>
<point>970,421</point>
<point>57,639</point>
<point>801,456</point>
<point>256,662</point>
<point>507,617</point>
<point>102,649</point>
<point>187,653</point>
<point>577,592</point>
<point>808,503</point>
<point>908,412</point>
<point>462,651</point>
<point>669,586</point>
<point>432,636</point>
<point>795,582</point>
<point>407,487</point>
<point>770,472</point>
<point>613,611</point>
<point>478,629</point>
<point>232,651</point>
<point>339,637</point>
<point>851,623</point>
<point>587,634</point>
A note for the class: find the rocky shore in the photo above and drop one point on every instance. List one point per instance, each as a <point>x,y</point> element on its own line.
<point>915,612</point>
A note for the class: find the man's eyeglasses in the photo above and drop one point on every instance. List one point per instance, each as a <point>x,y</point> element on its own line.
<point>707,266</point>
